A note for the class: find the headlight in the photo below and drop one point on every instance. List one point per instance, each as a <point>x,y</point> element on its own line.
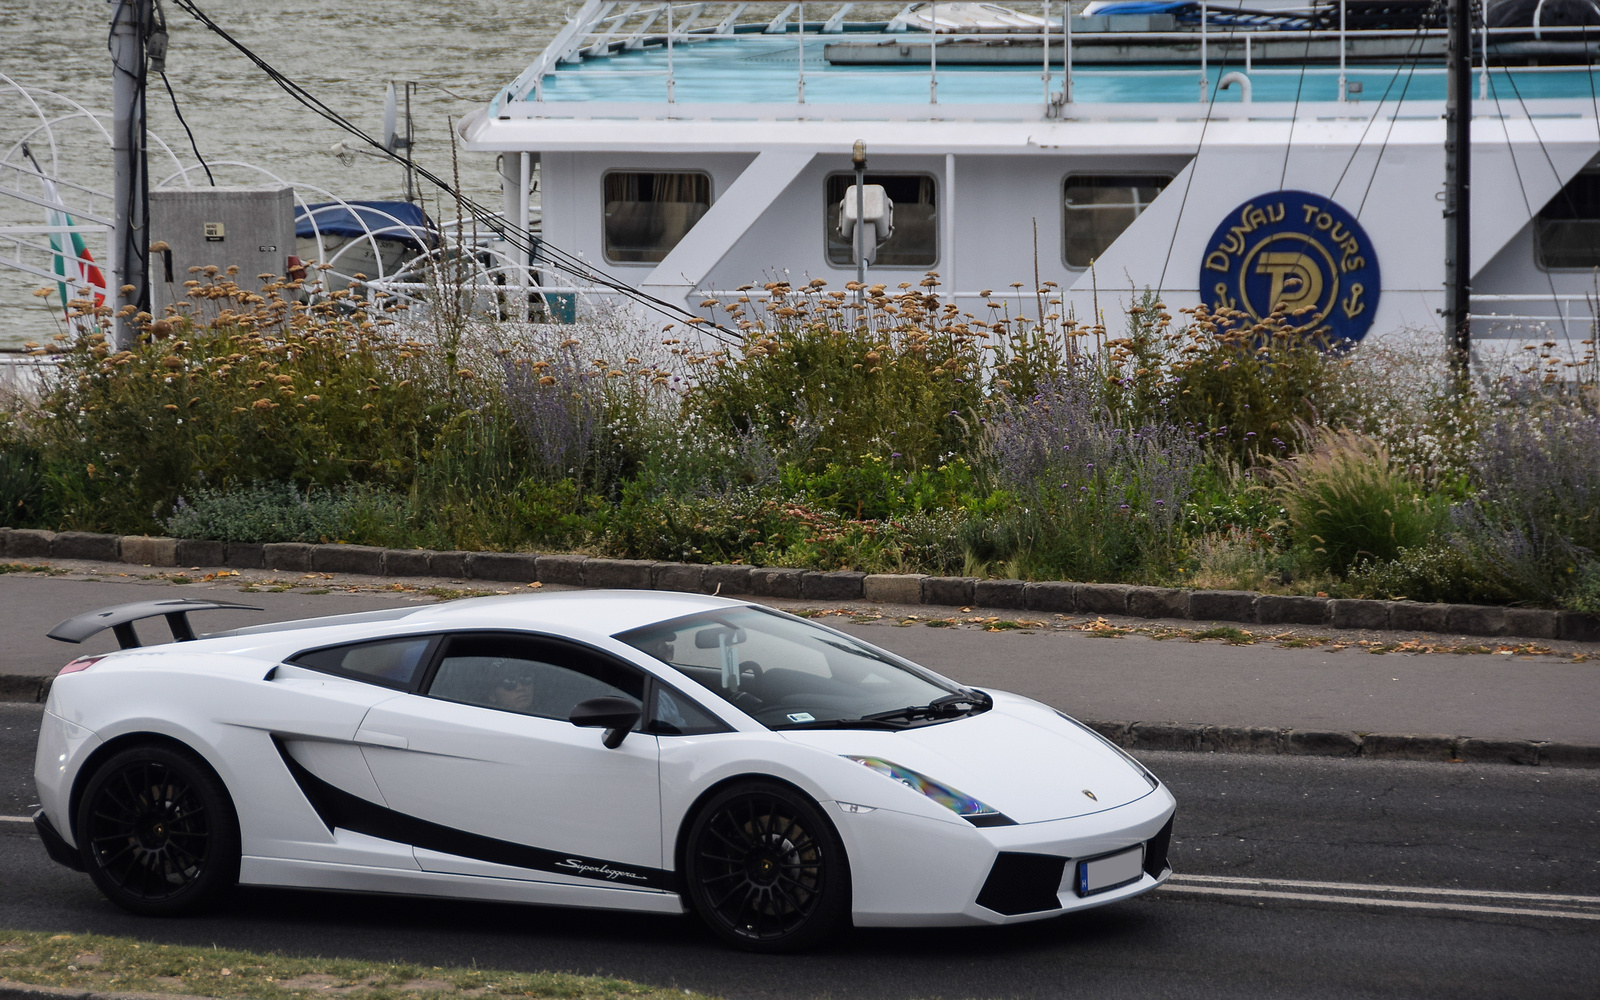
<point>965,806</point>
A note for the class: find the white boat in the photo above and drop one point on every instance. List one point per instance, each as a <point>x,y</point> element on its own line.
<point>1216,155</point>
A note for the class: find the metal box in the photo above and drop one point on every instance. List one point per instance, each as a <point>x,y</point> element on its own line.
<point>251,228</point>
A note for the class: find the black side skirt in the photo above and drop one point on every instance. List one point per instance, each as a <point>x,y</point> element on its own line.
<point>338,808</point>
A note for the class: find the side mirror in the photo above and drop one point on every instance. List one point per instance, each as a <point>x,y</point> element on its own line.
<point>615,715</point>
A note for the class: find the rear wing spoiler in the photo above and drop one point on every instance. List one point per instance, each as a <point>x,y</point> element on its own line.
<point>120,620</point>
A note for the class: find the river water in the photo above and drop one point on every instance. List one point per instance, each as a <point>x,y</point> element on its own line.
<point>343,51</point>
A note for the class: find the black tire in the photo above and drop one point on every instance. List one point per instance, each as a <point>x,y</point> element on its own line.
<point>158,832</point>
<point>765,869</point>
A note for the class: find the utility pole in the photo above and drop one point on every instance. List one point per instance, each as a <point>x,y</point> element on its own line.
<point>1458,187</point>
<point>131,24</point>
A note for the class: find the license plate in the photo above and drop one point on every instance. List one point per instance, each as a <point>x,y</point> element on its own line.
<point>1110,872</point>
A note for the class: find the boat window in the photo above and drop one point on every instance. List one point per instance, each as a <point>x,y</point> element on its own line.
<point>915,240</point>
<point>648,213</point>
<point>1568,228</point>
<point>1098,207</point>
<point>527,675</point>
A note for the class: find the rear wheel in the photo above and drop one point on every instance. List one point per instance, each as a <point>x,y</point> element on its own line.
<point>158,832</point>
<point>765,869</point>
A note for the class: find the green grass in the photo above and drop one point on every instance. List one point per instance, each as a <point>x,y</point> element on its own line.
<point>98,962</point>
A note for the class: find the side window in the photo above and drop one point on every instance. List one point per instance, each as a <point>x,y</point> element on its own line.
<point>528,675</point>
<point>390,662</point>
<point>1097,208</point>
<point>676,715</point>
<point>648,213</point>
<point>1567,234</point>
<point>915,240</point>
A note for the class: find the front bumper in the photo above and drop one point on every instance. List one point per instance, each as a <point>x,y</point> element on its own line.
<point>910,871</point>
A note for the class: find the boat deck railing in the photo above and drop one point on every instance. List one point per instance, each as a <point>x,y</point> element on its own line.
<point>725,59</point>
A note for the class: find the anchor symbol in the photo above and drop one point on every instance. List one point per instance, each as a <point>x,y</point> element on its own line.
<point>1223,301</point>
<point>1353,306</point>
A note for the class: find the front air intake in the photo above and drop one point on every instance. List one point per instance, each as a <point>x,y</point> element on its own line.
<point>1155,852</point>
<point>1023,883</point>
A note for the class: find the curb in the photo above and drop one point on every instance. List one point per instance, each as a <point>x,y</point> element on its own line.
<point>1194,737</point>
<point>1245,607</point>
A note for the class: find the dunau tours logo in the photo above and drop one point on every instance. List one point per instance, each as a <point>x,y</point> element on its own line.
<point>1299,253</point>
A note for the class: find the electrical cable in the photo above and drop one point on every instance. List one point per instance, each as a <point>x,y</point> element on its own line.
<point>559,259</point>
<point>1413,52</point>
<point>1194,164</point>
<point>1288,145</point>
<point>175,110</point>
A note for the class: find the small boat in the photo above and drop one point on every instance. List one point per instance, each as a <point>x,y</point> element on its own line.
<point>376,239</point>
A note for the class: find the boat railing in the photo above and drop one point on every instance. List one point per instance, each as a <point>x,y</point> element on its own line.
<point>605,29</point>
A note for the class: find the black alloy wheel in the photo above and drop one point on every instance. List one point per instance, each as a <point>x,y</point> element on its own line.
<point>158,832</point>
<point>765,869</point>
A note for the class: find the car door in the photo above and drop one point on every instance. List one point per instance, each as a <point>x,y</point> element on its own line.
<point>483,774</point>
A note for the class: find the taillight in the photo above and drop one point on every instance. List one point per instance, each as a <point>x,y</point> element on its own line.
<point>81,663</point>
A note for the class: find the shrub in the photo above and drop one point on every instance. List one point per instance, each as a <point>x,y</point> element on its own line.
<point>898,378</point>
<point>1433,571</point>
<point>1535,518</point>
<point>278,512</point>
<point>272,392</point>
<point>1100,500</point>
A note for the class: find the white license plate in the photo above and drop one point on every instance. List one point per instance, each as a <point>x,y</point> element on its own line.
<point>1109,872</point>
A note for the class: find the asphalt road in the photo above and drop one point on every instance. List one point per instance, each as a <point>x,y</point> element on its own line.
<point>1471,830</point>
<point>1129,679</point>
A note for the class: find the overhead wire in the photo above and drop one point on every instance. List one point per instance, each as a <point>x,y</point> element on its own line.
<point>557,258</point>
<point>161,69</point>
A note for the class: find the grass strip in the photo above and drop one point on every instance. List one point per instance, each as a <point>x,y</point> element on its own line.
<point>123,964</point>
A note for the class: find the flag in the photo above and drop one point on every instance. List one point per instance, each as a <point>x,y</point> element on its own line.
<point>80,276</point>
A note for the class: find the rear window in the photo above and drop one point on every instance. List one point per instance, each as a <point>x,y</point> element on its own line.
<point>391,662</point>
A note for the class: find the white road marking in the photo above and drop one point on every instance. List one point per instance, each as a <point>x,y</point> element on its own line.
<point>16,819</point>
<point>1547,897</point>
<point>1446,900</point>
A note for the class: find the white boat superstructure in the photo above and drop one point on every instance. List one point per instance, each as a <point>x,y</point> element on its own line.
<point>1234,157</point>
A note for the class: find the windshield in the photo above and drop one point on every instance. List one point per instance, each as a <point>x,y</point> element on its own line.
<point>789,674</point>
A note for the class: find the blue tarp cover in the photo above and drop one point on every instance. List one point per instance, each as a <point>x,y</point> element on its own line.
<point>395,220</point>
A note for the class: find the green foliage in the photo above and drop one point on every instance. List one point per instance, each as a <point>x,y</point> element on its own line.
<point>273,395</point>
<point>1435,570</point>
<point>21,483</point>
<point>281,513</point>
<point>822,383</point>
<point>1346,501</point>
<point>874,488</point>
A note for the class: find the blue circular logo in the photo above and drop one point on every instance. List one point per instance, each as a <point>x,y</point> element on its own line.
<point>1297,253</point>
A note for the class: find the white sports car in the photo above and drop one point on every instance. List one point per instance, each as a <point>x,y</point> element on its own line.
<point>633,750</point>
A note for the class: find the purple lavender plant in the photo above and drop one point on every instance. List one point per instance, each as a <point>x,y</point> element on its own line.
<point>561,411</point>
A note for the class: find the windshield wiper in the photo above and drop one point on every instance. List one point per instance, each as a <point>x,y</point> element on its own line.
<point>958,703</point>
<point>870,722</point>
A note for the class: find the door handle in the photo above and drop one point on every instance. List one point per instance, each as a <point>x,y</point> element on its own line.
<point>373,738</point>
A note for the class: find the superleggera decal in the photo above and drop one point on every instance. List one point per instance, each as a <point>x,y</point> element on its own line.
<point>339,808</point>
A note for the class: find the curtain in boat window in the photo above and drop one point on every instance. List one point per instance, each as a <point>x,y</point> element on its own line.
<point>646,214</point>
<point>1567,234</point>
<point>915,242</point>
<point>1097,208</point>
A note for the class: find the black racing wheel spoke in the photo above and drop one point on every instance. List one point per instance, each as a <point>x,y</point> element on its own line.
<point>149,830</point>
<point>759,870</point>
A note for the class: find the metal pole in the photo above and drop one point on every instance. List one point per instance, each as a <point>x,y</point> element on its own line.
<point>671,96</point>
<point>1458,187</point>
<point>933,52</point>
<point>859,159</point>
<point>130,234</point>
<point>1203,81</point>
<point>1066,56</point>
<point>801,61</point>
<point>1341,51</point>
<point>1044,31</point>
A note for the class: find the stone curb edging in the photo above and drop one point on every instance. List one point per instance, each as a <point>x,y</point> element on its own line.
<point>1246,607</point>
<point>1223,739</point>
<point>1325,743</point>
<point>24,991</point>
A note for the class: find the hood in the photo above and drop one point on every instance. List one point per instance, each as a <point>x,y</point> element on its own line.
<point>1019,757</point>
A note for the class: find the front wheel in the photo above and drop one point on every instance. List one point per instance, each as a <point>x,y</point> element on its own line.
<point>765,869</point>
<point>158,832</point>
